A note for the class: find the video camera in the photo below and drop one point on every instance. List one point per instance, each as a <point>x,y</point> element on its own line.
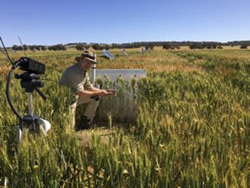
<point>30,79</point>
<point>31,65</point>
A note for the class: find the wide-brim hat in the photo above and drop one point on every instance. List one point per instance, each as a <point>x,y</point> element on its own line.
<point>90,56</point>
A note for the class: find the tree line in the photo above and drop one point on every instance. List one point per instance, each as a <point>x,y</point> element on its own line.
<point>147,45</point>
<point>39,47</point>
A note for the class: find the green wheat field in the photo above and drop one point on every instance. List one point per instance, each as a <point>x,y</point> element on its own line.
<point>192,127</point>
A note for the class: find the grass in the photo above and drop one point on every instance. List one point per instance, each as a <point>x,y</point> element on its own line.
<point>192,129</point>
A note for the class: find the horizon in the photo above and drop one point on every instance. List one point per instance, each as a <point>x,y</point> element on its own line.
<point>73,43</point>
<point>62,22</point>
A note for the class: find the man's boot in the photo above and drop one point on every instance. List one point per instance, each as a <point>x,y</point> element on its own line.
<point>83,124</point>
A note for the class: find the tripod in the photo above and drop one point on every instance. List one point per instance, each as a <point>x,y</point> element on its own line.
<point>30,82</point>
<point>34,124</point>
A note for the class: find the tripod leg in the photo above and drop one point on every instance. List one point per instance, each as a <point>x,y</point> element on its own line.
<point>6,181</point>
<point>30,103</point>
<point>18,135</point>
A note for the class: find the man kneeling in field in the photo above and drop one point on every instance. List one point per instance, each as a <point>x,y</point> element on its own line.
<point>76,77</point>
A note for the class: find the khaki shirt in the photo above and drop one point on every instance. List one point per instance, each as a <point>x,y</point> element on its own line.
<point>76,79</point>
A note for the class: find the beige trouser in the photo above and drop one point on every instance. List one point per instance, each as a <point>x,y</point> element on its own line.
<point>78,109</point>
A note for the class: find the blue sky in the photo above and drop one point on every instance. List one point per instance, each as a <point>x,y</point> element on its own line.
<point>50,22</point>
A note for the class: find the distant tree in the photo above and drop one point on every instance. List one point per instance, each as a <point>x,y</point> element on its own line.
<point>14,47</point>
<point>166,46</point>
<point>192,46</point>
<point>149,46</point>
<point>25,47</point>
<point>17,48</point>
<point>208,46</point>
<point>57,47</point>
<point>196,46</point>
<point>114,45</point>
<point>243,46</point>
<point>86,46</point>
<point>20,48</point>
<point>214,46</point>
<point>34,47</point>
<point>96,46</point>
<point>220,47</point>
<point>63,48</point>
<point>107,47</point>
<point>80,47</point>
<point>171,46</point>
<point>38,47</point>
<point>43,48</point>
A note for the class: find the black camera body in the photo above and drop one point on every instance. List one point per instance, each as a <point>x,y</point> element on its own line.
<point>31,65</point>
<point>30,78</point>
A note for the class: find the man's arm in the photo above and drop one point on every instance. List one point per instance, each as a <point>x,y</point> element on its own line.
<point>110,91</point>
<point>95,92</point>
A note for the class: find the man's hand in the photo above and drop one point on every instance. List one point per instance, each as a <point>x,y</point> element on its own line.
<point>103,92</point>
<point>111,91</point>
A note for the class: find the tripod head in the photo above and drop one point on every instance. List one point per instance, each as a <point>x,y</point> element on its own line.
<point>30,82</point>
